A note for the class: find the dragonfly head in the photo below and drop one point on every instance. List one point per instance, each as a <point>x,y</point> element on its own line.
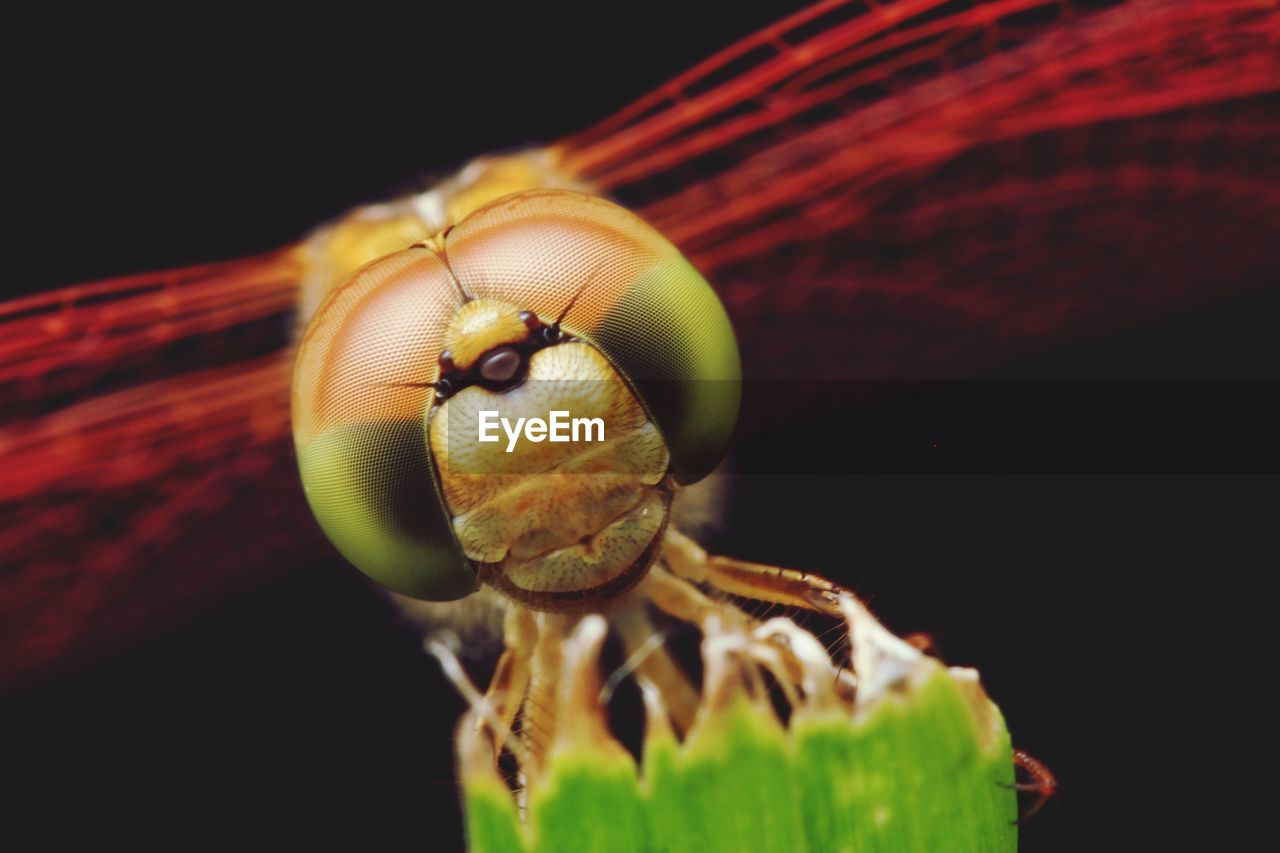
<point>540,302</point>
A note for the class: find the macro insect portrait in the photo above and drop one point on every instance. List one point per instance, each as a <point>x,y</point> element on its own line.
<point>827,426</point>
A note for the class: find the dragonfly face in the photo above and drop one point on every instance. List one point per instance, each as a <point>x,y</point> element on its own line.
<point>537,304</point>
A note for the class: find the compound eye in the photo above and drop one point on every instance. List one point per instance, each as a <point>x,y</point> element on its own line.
<point>500,366</point>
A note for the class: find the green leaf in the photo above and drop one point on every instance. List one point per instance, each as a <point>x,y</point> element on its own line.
<point>921,763</point>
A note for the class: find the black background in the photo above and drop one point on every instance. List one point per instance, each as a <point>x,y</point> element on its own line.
<point>1113,612</point>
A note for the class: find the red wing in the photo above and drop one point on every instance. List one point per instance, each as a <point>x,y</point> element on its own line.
<point>915,190</point>
<point>141,479</point>
<point>926,188</point>
<point>68,344</point>
<point>124,514</point>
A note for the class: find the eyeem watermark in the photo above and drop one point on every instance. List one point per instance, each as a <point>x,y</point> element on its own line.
<point>559,428</point>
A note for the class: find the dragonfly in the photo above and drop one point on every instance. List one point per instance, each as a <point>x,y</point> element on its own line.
<point>915,189</point>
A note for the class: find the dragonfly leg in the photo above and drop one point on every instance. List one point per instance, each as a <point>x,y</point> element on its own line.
<point>546,664</point>
<point>647,657</point>
<point>771,644</point>
<point>751,580</point>
<point>677,597</point>
<point>510,679</point>
<point>1042,784</point>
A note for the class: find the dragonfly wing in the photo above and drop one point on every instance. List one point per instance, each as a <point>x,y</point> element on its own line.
<point>144,436</point>
<point>923,190</point>
<point>909,190</point>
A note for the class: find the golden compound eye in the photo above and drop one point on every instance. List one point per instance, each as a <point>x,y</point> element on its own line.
<point>499,366</point>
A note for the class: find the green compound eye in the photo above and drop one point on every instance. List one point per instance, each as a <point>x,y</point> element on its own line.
<point>390,524</point>
<point>362,383</point>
